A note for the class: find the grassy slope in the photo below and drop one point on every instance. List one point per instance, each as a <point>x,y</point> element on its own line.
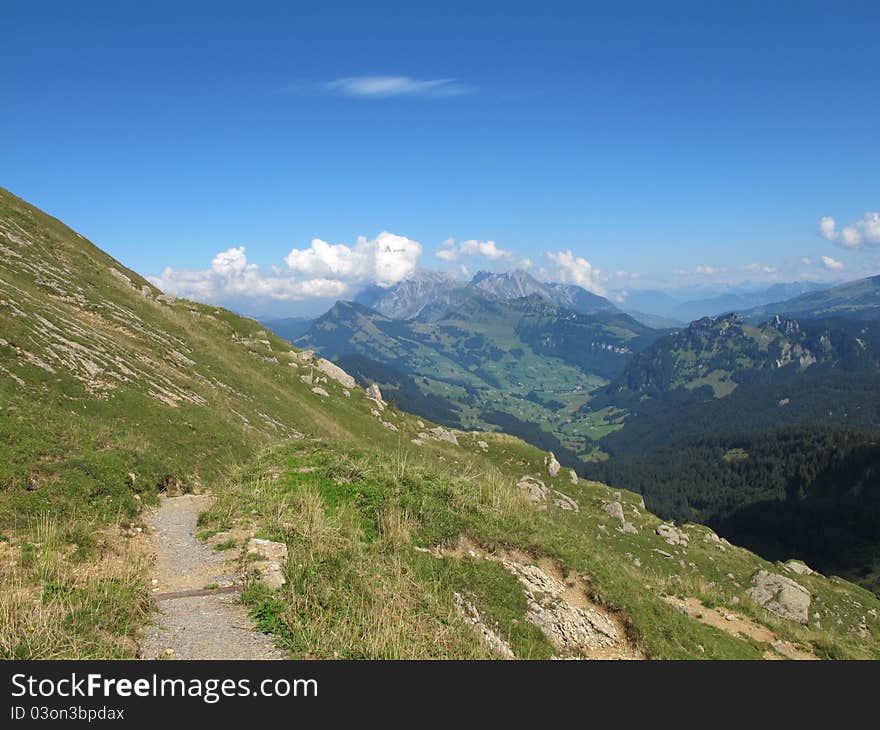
<point>108,396</point>
<point>855,300</point>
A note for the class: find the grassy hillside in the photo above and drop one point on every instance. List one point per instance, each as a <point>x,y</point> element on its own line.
<point>403,541</point>
<point>853,300</point>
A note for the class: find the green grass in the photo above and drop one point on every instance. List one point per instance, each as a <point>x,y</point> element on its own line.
<point>355,522</point>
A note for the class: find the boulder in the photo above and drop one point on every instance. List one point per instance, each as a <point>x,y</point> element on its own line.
<point>267,549</point>
<point>781,596</point>
<point>334,372</point>
<point>553,466</point>
<point>535,490</point>
<point>271,574</point>
<point>304,356</point>
<point>564,502</point>
<point>438,433</point>
<point>799,567</point>
<point>672,534</point>
<point>572,474</point>
<point>374,392</point>
<point>319,391</point>
<point>615,509</point>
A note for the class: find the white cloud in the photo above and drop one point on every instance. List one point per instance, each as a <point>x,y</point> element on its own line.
<point>385,260</point>
<point>830,263</point>
<point>450,251</point>
<point>447,251</point>
<point>806,261</point>
<point>230,275</point>
<point>571,269</point>
<point>526,264</point>
<point>707,270</point>
<point>385,86</point>
<point>321,271</point>
<point>865,231</point>
<point>760,269</point>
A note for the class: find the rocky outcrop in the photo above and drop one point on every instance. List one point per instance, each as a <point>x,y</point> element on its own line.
<point>318,390</point>
<point>303,357</point>
<point>270,566</point>
<point>538,493</point>
<point>799,567</point>
<point>438,433</point>
<point>571,629</point>
<point>374,392</point>
<point>535,490</point>
<point>553,466</point>
<point>615,509</point>
<point>468,611</point>
<point>564,502</point>
<point>781,596</point>
<point>572,475</point>
<point>672,534</point>
<point>334,372</point>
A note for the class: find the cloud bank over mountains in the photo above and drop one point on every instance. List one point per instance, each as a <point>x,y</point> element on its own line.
<point>323,270</point>
<point>326,270</point>
<point>864,232</point>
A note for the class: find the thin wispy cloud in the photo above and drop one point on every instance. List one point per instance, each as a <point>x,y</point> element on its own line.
<point>386,86</point>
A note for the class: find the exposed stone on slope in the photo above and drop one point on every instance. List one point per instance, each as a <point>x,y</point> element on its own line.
<point>615,509</point>
<point>438,433</point>
<point>563,501</point>
<point>317,390</point>
<point>781,596</point>
<point>799,567</point>
<point>571,629</point>
<point>535,490</point>
<point>468,611</point>
<point>553,466</point>
<point>374,392</point>
<point>572,475</point>
<point>271,568</point>
<point>303,356</point>
<point>672,534</point>
<point>334,372</point>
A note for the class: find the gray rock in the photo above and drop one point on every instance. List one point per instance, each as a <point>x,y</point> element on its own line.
<point>374,392</point>
<point>334,372</point>
<point>536,491</point>
<point>672,534</point>
<point>615,509</point>
<point>799,567</point>
<point>553,466</point>
<point>781,596</point>
<point>320,391</point>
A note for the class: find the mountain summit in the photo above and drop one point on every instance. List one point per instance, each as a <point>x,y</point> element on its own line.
<point>430,294</point>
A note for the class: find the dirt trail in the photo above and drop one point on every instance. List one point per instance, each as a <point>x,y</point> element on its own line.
<point>210,626</point>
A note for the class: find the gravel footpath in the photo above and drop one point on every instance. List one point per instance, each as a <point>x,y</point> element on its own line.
<point>196,627</point>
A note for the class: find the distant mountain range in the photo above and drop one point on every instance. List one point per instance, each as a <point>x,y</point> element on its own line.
<point>854,300</point>
<point>671,307</point>
<point>430,294</point>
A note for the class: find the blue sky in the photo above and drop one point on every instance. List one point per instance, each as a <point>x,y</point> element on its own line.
<point>679,143</point>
